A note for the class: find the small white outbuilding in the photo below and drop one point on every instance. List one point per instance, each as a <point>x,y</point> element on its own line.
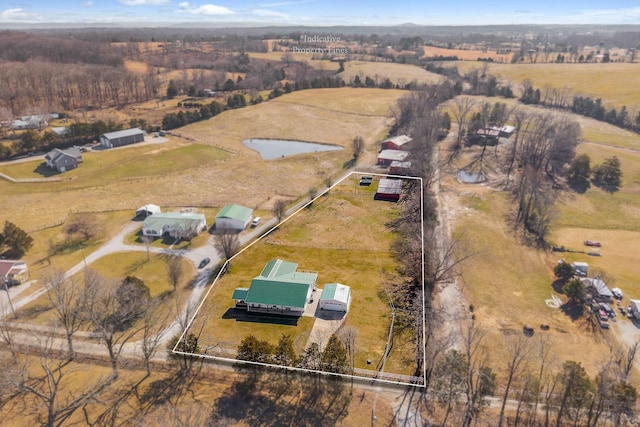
<point>335,297</point>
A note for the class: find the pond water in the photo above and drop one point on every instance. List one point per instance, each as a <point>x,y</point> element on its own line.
<point>274,148</point>
<point>470,177</point>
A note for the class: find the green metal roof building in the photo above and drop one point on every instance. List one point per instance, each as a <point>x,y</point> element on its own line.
<point>280,288</point>
<point>177,224</point>
<point>335,297</point>
<point>234,217</point>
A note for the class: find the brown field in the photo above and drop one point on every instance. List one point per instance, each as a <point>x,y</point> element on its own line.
<point>208,395</point>
<point>467,55</point>
<point>379,71</point>
<point>594,80</point>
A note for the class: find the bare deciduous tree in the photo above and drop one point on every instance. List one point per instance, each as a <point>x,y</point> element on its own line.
<point>85,225</point>
<point>226,242</point>
<point>279,209</point>
<point>519,348</point>
<point>174,270</point>
<point>70,302</point>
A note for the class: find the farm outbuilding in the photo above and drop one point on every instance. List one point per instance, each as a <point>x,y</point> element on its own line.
<point>396,143</point>
<point>386,157</point>
<point>180,225</point>
<point>335,297</point>
<point>634,308</point>
<point>234,217</point>
<point>121,137</point>
<point>279,289</point>
<point>389,189</point>
<point>399,168</point>
<point>147,210</point>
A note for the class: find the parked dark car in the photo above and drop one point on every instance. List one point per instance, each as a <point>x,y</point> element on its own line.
<point>204,262</point>
<point>592,243</point>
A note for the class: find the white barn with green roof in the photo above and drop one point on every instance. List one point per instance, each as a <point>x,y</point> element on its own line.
<point>234,217</point>
<point>180,225</point>
<point>281,289</point>
<point>335,297</point>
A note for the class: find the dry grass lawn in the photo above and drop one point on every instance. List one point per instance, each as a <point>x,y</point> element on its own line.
<point>594,80</point>
<point>343,237</point>
<point>379,71</point>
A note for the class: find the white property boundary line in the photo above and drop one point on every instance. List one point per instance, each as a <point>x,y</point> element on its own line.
<point>290,368</point>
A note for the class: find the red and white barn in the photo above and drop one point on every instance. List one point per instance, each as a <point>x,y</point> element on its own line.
<point>399,142</point>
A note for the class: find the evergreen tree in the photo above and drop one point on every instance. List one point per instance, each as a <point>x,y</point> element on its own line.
<point>608,175</point>
<point>285,354</point>
<point>334,356</point>
<point>563,270</point>
<point>172,89</point>
<point>574,290</point>
<point>14,241</point>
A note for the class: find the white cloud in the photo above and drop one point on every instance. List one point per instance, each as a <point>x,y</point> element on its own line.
<point>609,15</point>
<point>18,14</point>
<point>89,3</point>
<point>205,9</point>
<point>265,13</point>
<point>287,3</point>
<point>143,2</point>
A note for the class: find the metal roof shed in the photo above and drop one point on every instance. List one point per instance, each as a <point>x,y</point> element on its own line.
<point>234,217</point>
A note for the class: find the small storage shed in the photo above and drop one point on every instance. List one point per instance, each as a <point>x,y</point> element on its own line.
<point>634,308</point>
<point>147,210</point>
<point>389,189</point>
<point>399,142</point>
<point>335,297</point>
<point>234,217</point>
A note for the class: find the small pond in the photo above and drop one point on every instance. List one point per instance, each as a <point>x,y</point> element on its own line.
<point>470,177</point>
<point>274,148</point>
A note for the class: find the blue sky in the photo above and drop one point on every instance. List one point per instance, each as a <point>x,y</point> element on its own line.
<point>322,12</point>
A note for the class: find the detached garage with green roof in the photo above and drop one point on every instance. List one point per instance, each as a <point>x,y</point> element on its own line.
<point>335,297</point>
<point>234,217</point>
<point>280,289</point>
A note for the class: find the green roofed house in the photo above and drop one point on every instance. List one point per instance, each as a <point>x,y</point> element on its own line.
<point>180,225</point>
<point>281,288</point>
<point>234,217</point>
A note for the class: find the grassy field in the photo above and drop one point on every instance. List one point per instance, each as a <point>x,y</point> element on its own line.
<point>317,240</point>
<point>379,71</point>
<point>466,54</point>
<point>197,173</point>
<point>594,80</point>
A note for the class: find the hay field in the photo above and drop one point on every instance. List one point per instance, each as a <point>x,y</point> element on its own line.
<point>467,54</point>
<point>196,173</point>
<point>379,71</point>
<point>617,84</point>
<point>344,239</point>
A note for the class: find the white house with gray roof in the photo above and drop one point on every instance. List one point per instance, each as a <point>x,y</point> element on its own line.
<point>179,225</point>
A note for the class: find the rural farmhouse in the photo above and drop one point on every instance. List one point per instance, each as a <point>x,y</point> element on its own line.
<point>335,297</point>
<point>279,289</point>
<point>13,272</point>
<point>63,160</point>
<point>598,289</point>
<point>121,137</point>
<point>234,217</point>
<point>179,225</point>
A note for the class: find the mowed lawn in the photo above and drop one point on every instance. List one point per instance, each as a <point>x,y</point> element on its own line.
<point>342,237</point>
<point>617,84</point>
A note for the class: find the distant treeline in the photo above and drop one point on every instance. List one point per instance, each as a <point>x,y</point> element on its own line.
<point>585,106</point>
<point>22,46</point>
